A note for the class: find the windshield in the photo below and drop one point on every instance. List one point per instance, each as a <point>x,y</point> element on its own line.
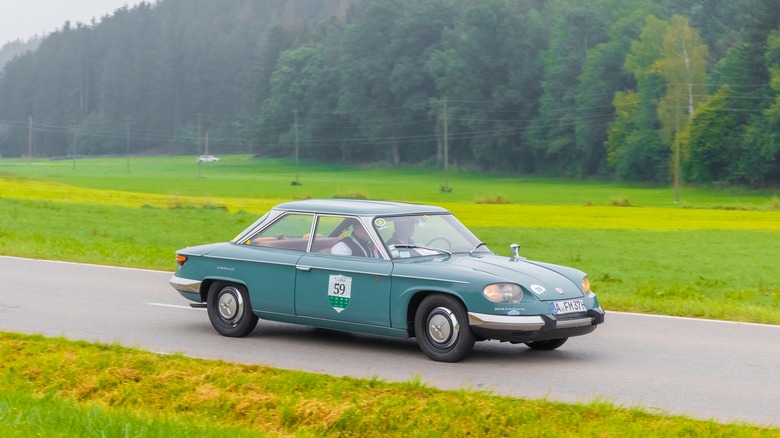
<point>425,235</point>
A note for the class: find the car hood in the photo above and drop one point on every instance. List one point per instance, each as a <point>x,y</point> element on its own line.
<point>546,281</point>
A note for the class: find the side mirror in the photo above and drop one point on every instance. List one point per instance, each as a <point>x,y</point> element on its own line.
<point>515,248</point>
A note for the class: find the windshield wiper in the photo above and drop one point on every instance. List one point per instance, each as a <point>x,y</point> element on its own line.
<point>475,248</point>
<point>429,248</point>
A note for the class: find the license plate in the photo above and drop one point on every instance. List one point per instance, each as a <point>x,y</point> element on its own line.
<point>571,306</point>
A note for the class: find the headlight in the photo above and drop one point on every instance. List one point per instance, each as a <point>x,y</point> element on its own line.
<point>586,285</point>
<point>503,292</point>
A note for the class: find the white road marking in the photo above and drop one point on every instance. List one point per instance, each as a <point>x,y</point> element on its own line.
<point>86,264</point>
<point>684,318</point>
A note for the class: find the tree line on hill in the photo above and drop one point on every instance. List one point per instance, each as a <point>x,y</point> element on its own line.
<point>642,90</point>
<point>17,47</point>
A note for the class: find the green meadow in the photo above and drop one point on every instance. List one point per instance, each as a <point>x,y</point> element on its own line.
<point>713,255</point>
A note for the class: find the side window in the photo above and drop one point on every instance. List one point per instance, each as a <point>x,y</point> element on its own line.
<point>290,232</point>
<point>343,235</point>
<point>330,229</point>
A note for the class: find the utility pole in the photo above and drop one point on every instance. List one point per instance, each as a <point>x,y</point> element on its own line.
<point>297,172</point>
<point>29,138</point>
<point>127,143</point>
<point>199,141</point>
<point>73,147</point>
<point>446,187</point>
<point>677,151</point>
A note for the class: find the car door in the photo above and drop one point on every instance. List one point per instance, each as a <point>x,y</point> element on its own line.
<point>342,288</point>
<point>269,258</point>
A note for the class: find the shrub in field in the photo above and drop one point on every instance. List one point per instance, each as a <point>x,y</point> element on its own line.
<point>620,202</point>
<point>496,200</point>
<point>350,195</point>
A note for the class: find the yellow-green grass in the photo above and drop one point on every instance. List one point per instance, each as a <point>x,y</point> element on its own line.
<point>55,387</point>
<point>239,176</point>
<point>24,416</point>
<point>490,215</point>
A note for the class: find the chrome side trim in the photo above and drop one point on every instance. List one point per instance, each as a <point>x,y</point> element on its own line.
<point>322,268</point>
<point>236,259</point>
<point>185,284</point>
<point>430,279</point>
<point>502,322</point>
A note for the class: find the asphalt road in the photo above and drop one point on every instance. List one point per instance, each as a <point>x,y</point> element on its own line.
<point>704,369</point>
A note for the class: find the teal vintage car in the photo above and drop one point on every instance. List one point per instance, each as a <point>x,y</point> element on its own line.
<point>385,268</point>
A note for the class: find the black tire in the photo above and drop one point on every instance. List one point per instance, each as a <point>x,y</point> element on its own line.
<point>229,309</point>
<point>442,329</point>
<point>552,344</point>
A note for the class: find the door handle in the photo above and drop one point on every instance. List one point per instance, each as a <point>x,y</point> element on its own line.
<point>303,268</point>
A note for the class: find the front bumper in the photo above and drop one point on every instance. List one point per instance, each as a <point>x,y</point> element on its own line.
<point>533,328</point>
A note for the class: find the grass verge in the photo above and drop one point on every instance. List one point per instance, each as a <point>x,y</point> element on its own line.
<point>55,387</point>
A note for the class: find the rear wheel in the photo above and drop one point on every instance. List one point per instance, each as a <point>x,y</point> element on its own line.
<point>442,330</point>
<point>552,344</point>
<point>229,309</point>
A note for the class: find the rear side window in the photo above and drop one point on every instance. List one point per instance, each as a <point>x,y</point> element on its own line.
<point>289,232</point>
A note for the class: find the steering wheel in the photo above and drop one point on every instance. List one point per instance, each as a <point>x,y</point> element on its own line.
<point>449,245</point>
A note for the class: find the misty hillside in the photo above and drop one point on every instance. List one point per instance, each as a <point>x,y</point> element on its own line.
<point>17,47</point>
<point>635,90</point>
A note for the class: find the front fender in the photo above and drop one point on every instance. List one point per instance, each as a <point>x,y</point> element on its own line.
<point>406,297</point>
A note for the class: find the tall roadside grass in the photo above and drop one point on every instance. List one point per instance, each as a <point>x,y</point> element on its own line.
<point>24,416</point>
<point>55,387</point>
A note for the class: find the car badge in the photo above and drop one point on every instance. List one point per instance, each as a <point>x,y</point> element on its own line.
<point>538,289</point>
<point>560,290</point>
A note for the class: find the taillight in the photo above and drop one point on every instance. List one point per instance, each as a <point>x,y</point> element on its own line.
<point>180,259</point>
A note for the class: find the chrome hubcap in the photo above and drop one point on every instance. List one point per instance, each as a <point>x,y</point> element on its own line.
<point>443,327</point>
<point>230,305</point>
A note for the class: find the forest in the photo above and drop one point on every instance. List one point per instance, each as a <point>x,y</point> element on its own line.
<point>632,90</point>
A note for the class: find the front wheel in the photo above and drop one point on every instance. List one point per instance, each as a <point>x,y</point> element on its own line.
<point>552,344</point>
<point>442,330</point>
<point>229,310</point>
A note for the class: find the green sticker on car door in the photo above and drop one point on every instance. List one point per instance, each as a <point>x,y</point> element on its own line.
<point>339,292</point>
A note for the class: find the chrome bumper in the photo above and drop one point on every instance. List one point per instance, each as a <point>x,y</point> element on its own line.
<point>502,322</point>
<point>185,284</point>
<point>532,323</point>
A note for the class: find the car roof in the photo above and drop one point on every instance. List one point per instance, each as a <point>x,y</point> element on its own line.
<point>358,207</point>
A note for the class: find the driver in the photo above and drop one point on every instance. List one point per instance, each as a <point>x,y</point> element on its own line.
<point>402,232</point>
<point>356,244</point>
<point>403,228</point>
